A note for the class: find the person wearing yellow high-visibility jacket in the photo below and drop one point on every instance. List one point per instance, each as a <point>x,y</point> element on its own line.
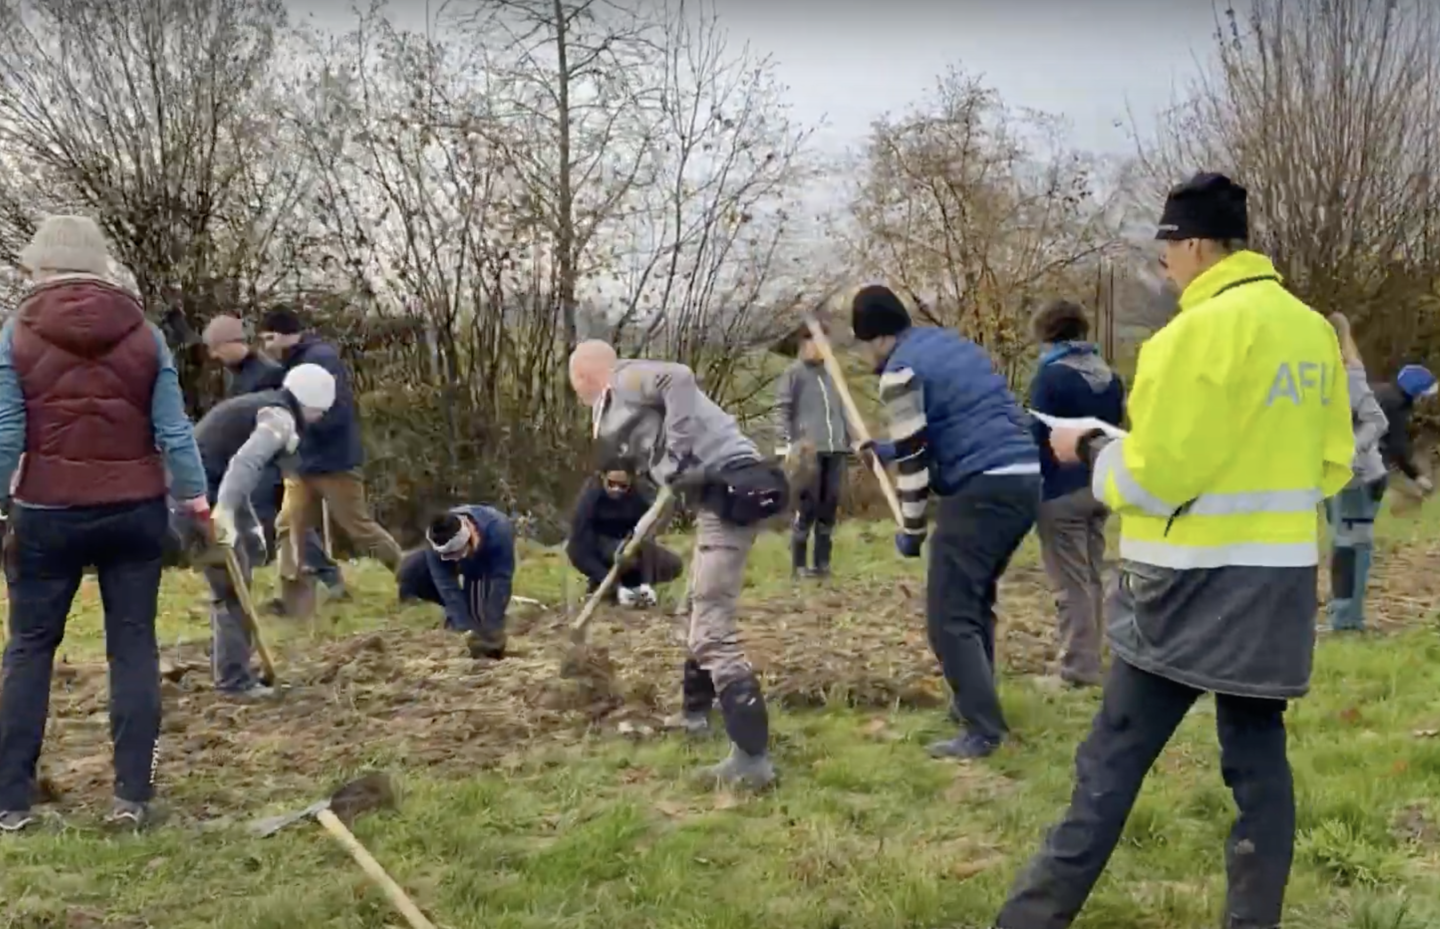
<point>1241,426</point>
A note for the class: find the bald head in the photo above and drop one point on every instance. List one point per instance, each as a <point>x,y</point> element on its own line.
<point>590,367</point>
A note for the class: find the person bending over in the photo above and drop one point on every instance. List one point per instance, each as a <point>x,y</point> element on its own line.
<point>467,568</point>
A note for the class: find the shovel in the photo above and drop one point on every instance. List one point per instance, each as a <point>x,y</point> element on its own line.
<point>371,792</point>
<point>250,617</point>
<point>852,413</point>
<point>638,535</point>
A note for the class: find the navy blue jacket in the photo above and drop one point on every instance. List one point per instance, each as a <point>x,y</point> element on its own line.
<point>332,445</point>
<point>476,589</point>
<point>255,373</point>
<point>1073,381</point>
<point>952,417</point>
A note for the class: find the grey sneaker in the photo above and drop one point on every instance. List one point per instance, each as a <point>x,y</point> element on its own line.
<point>696,724</point>
<point>16,820</point>
<point>253,691</point>
<point>127,814</point>
<point>754,772</point>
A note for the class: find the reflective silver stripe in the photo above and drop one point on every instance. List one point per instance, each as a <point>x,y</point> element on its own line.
<point>1251,554</point>
<point>1111,460</point>
<point>1256,501</point>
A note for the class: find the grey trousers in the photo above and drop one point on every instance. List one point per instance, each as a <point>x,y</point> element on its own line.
<point>231,646</point>
<point>717,574</point>
<point>1072,545</point>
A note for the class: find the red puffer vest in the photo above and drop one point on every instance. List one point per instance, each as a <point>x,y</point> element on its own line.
<point>87,365</point>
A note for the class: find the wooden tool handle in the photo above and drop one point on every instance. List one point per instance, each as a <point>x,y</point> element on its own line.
<point>252,619</point>
<point>642,531</point>
<point>852,413</point>
<point>398,898</point>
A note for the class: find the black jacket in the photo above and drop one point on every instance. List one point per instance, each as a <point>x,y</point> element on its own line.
<point>254,373</point>
<point>1395,444</point>
<point>597,517</point>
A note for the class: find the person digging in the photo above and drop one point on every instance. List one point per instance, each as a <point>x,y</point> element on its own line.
<point>654,416</point>
<point>467,567</point>
<point>240,440</point>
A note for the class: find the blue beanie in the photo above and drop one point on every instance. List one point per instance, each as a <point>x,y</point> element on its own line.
<point>1415,381</point>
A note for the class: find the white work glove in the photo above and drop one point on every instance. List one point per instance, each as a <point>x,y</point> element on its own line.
<point>223,521</point>
<point>645,596</point>
<point>1425,484</point>
<point>782,451</point>
<point>626,596</point>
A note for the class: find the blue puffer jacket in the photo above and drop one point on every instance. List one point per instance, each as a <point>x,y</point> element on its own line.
<point>332,445</point>
<point>973,422</point>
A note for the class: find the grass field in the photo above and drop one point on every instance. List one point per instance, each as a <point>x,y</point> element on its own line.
<point>588,828</point>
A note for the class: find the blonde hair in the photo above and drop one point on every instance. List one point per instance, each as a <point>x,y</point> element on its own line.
<point>1348,349</point>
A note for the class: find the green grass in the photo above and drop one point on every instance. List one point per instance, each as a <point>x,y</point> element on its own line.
<point>864,833</point>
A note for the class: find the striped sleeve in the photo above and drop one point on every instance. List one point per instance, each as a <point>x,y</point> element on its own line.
<point>904,399</point>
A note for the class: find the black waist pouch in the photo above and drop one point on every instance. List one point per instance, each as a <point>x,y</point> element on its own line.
<point>747,494</point>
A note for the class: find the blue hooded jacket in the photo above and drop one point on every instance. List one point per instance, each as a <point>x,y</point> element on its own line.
<point>1073,382</point>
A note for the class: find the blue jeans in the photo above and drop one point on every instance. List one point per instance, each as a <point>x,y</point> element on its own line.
<point>47,554</point>
<point>1351,514</point>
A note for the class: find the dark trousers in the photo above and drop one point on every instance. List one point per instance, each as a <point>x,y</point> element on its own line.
<point>1138,716</point>
<point>48,554</point>
<point>977,531</point>
<point>816,506</point>
<point>653,563</point>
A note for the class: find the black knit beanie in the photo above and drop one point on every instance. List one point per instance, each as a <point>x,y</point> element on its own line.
<point>281,321</point>
<point>1208,206</point>
<point>877,312</point>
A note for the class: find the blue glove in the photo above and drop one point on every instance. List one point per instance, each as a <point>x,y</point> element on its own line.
<point>908,544</point>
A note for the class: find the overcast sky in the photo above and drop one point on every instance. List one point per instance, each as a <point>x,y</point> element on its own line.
<point>849,61</point>
<point>1086,60</point>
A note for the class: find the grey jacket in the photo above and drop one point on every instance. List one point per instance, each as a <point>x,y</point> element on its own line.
<point>1243,631</point>
<point>808,408</point>
<point>655,416</point>
<point>1370,426</point>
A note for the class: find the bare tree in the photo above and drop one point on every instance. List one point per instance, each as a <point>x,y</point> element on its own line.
<point>152,118</point>
<point>975,211</point>
<point>1329,113</point>
<point>716,245</point>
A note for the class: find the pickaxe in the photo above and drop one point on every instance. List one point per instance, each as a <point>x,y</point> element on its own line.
<point>372,792</point>
<point>852,413</point>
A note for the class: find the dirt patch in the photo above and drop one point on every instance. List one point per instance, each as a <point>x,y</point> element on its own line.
<point>416,699</point>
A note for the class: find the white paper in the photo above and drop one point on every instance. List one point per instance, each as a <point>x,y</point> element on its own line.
<point>1083,423</point>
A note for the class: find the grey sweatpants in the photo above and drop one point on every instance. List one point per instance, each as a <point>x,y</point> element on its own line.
<point>717,574</point>
<point>1072,544</point>
<point>230,639</point>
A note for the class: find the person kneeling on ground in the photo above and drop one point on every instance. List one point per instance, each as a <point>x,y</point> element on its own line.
<point>605,515</point>
<point>240,440</point>
<point>653,415</point>
<point>467,568</point>
<point>958,430</point>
